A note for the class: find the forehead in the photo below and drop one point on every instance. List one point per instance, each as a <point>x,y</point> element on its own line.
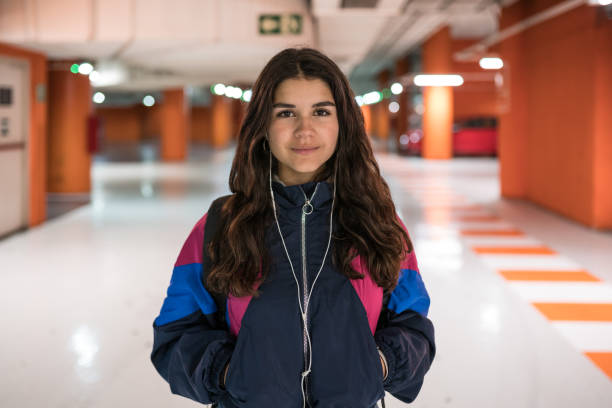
<point>296,90</point>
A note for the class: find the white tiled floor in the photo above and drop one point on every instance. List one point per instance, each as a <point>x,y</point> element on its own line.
<point>80,292</point>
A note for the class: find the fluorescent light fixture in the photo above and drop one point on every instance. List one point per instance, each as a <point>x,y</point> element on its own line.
<point>148,100</point>
<point>98,97</point>
<point>491,62</point>
<point>396,88</point>
<point>605,2</point>
<point>108,73</point>
<point>219,89</point>
<point>372,97</point>
<point>359,100</point>
<point>438,80</point>
<point>85,68</point>
<point>246,95</point>
<point>394,107</point>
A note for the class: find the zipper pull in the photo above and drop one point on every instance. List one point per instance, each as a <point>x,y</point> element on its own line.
<point>307,208</point>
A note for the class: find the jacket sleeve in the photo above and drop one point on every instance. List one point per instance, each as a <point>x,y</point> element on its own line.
<point>404,334</point>
<point>189,352</point>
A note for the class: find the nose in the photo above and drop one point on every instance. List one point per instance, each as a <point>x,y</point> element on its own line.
<point>304,127</point>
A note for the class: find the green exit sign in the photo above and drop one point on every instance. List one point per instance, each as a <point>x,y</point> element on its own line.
<point>280,24</point>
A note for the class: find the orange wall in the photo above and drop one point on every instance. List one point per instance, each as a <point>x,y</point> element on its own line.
<point>130,123</point>
<point>564,95</point>
<point>136,123</point>
<point>152,120</point>
<point>201,124</point>
<point>121,124</point>
<point>475,97</point>
<point>37,138</point>
<point>602,164</point>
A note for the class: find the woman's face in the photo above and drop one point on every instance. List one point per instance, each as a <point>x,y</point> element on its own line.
<point>303,129</point>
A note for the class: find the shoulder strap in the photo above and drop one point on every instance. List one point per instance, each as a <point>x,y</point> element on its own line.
<point>210,228</point>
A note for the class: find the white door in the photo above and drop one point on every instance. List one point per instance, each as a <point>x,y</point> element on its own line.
<point>14,204</point>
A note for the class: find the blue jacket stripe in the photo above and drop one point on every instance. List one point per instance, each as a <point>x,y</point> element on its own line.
<point>186,294</point>
<point>410,293</point>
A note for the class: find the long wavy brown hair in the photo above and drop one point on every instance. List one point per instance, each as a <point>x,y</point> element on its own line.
<point>366,221</point>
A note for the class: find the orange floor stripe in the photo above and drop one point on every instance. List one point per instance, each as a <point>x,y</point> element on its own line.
<point>504,233</point>
<point>602,360</point>
<point>549,276</point>
<point>536,250</point>
<point>592,312</point>
<point>479,218</point>
<point>448,207</point>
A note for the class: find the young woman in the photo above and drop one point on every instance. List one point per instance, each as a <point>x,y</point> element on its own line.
<point>309,263</point>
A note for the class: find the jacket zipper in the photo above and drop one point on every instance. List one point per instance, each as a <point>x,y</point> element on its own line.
<point>305,279</point>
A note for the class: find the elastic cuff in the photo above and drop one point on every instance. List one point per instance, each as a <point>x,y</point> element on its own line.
<point>387,353</point>
<point>216,369</point>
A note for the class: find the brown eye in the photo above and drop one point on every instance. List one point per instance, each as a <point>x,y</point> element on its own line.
<point>322,112</point>
<point>284,114</point>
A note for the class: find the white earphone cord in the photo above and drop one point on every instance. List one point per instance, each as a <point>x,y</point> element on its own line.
<point>307,371</point>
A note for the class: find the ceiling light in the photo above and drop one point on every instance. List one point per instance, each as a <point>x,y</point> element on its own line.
<point>438,80</point>
<point>372,97</point>
<point>491,63</point>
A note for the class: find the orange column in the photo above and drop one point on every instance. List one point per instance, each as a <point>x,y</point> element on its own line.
<point>381,110</point>
<point>438,101</point>
<point>221,120</point>
<point>175,125</point>
<point>70,106</point>
<point>366,110</point>
<point>402,66</point>
<point>37,138</point>
<point>512,129</point>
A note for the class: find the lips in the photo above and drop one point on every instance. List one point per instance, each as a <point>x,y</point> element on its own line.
<point>304,150</point>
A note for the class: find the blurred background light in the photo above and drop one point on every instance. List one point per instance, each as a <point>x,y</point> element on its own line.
<point>219,89</point>
<point>372,97</point>
<point>491,63</point>
<point>85,68</point>
<point>397,88</point>
<point>438,80</point>
<point>148,100</point>
<point>98,97</point>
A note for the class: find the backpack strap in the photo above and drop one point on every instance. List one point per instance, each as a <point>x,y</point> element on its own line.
<point>210,228</point>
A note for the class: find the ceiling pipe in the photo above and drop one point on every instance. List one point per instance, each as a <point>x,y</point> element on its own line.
<point>474,51</point>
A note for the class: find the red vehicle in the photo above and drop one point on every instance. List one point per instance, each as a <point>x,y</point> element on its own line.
<point>473,137</point>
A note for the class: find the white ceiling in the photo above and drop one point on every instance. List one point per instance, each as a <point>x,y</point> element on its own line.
<point>162,43</point>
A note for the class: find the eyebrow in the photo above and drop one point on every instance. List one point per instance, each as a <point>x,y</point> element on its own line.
<point>316,105</point>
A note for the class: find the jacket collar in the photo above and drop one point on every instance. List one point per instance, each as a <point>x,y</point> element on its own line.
<point>292,196</point>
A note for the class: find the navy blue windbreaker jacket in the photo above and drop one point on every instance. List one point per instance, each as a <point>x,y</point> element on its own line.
<point>263,340</point>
